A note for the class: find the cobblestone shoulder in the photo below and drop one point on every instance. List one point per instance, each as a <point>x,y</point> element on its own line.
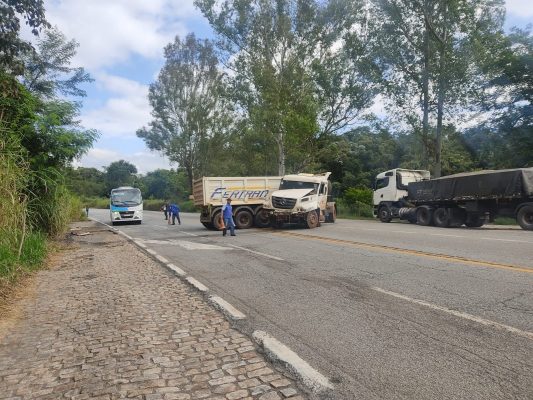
<point>108,322</point>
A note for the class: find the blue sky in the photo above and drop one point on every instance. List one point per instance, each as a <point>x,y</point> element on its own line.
<point>121,45</point>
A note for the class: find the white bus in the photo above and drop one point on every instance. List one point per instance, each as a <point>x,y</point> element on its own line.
<point>126,205</point>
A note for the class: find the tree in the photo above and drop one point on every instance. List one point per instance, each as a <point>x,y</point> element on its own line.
<point>11,45</point>
<point>288,80</point>
<point>119,173</point>
<point>58,138</point>
<point>505,139</point>
<point>48,71</point>
<point>430,51</point>
<point>186,105</point>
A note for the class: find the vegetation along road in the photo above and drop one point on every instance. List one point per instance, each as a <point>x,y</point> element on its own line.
<point>384,311</point>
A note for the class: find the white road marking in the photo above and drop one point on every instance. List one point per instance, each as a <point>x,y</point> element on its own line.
<point>459,314</point>
<point>200,246</point>
<point>200,286</point>
<point>227,308</point>
<point>176,269</point>
<point>509,240</point>
<point>162,259</point>
<point>185,244</point>
<point>257,252</point>
<point>188,233</point>
<point>277,350</point>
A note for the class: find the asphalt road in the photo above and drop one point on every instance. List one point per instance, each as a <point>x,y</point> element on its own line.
<point>385,311</point>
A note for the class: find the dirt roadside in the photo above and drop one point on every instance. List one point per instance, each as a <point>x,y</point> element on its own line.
<point>105,321</point>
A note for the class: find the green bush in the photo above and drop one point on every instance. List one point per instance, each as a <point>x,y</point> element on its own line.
<point>358,195</point>
<point>353,210</point>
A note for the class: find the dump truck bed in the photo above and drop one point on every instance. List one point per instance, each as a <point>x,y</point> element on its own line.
<point>480,185</point>
<point>242,190</point>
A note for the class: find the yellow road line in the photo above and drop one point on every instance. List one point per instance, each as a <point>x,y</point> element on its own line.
<point>419,253</point>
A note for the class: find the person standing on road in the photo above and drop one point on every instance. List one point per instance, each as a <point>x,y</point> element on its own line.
<point>175,211</point>
<point>227,214</point>
<point>164,208</point>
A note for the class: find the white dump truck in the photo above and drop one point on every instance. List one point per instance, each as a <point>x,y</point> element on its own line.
<point>302,199</point>
<point>248,195</point>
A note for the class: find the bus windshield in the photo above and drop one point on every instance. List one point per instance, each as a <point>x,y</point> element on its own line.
<point>126,197</point>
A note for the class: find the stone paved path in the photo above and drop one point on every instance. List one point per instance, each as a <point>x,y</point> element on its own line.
<point>107,322</point>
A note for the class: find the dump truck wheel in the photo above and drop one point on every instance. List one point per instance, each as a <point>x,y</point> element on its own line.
<point>384,214</point>
<point>208,225</point>
<point>441,217</point>
<point>525,218</point>
<point>244,219</point>
<point>312,220</point>
<point>424,216</point>
<point>262,219</point>
<point>217,222</point>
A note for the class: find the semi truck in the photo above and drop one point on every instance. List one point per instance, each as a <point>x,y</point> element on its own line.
<point>302,199</point>
<point>248,195</point>
<point>471,199</point>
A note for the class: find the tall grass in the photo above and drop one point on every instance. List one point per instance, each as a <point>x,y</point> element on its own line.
<point>33,208</point>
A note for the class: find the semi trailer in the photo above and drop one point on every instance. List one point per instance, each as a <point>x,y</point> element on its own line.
<point>471,199</point>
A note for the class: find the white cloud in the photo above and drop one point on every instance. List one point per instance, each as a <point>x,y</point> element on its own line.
<point>145,161</point>
<point>520,8</point>
<point>109,32</point>
<point>122,114</point>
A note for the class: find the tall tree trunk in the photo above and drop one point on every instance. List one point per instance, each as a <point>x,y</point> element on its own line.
<point>425,94</point>
<point>441,97</point>
<point>281,156</point>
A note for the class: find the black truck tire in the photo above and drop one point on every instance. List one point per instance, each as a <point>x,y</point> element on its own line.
<point>525,218</point>
<point>262,219</point>
<point>217,221</point>
<point>312,220</point>
<point>332,217</point>
<point>441,217</point>
<point>208,225</point>
<point>384,214</point>
<point>244,219</point>
<point>424,216</point>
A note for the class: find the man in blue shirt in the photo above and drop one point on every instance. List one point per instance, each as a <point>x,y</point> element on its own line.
<point>227,214</point>
<point>175,211</point>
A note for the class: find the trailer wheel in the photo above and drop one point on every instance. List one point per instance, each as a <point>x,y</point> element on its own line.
<point>525,218</point>
<point>244,219</point>
<point>262,219</point>
<point>424,216</point>
<point>384,214</point>
<point>332,217</point>
<point>474,221</point>
<point>312,220</point>
<point>441,217</point>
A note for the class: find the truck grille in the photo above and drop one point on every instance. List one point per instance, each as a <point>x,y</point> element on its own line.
<point>283,202</point>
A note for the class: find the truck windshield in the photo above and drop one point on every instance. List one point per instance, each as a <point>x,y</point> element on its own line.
<point>298,185</point>
<point>126,197</point>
